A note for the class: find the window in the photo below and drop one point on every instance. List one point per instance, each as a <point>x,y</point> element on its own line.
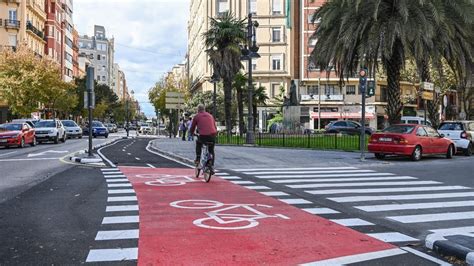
<point>222,7</point>
<point>254,64</point>
<point>253,7</point>
<point>312,66</point>
<point>12,14</point>
<point>329,90</point>
<point>340,124</point>
<point>103,68</point>
<point>312,41</point>
<point>277,8</point>
<point>68,42</point>
<point>98,78</point>
<point>431,132</point>
<point>12,40</point>
<point>98,57</point>
<point>350,89</point>
<point>276,34</point>
<point>310,17</point>
<point>103,57</point>
<point>51,31</point>
<point>275,90</point>
<point>313,90</point>
<point>421,132</point>
<point>68,57</point>
<point>383,93</point>
<point>103,78</point>
<point>276,62</point>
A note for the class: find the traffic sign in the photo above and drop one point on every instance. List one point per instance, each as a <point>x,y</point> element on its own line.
<point>174,100</point>
<point>173,106</point>
<point>174,94</point>
<point>428,86</point>
<point>427,95</point>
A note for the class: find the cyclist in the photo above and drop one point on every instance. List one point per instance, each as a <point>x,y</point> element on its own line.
<point>206,125</point>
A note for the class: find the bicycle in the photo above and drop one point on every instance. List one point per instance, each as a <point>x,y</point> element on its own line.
<point>205,164</point>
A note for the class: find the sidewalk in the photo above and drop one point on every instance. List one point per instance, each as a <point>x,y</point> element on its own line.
<point>257,157</point>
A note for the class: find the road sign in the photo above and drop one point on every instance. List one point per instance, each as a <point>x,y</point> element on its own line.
<point>427,95</point>
<point>428,86</point>
<point>445,100</point>
<point>174,106</point>
<point>86,102</point>
<point>174,100</point>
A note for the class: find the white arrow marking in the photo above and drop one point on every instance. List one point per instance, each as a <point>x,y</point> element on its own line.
<point>43,153</point>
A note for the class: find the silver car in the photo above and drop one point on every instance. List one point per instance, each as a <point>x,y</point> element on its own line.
<point>72,129</point>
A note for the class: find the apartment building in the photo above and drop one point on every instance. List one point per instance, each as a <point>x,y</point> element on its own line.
<point>54,32</point>
<point>118,82</point>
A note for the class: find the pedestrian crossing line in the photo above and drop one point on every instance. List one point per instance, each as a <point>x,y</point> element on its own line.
<point>114,176</point>
<point>422,218</point>
<point>378,190</point>
<point>117,235</point>
<point>121,191</point>
<point>351,222</point>
<point>116,254</point>
<point>296,169</point>
<point>358,258</point>
<point>403,197</point>
<point>415,206</point>
<point>230,177</point>
<point>309,172</point>
<point>109,169</point>
<point>221,174</point>
<point>244,182</point>
<point>120,219</point>
<point>116,180</point>
<point>328,175</point>
<point>295,201</point>
<point>367,184</point>
<point>257,187</point>
<point>118,199</point>
<point>454,231</point>
<point>122,208</point>
<point>320,210</point>
<point>274,193</point>
<point>392,237</point>
<point>287,181</point>
<point>119,185</point>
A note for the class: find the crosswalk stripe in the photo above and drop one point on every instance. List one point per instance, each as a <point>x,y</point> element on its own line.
<point>109,169</point>
<point>284,169</point>
<point>229,177</point>
<point>122,208</point>
<point>403,197</point>
<point>119,185</point>
<point>352,222</point>
<point>120,219</point>
<point>113,176</point>
<point>320,210</point>
<point>309,172</point>
<point>118,199</point>
<point>257,187</point>
<point>422,218</point>
<point>242,182</point>
<point>221,174</point>
<point>358,257</point>
<point>377,190</point>
<point>365,184</point>
<point>454,231</point>
<point>117,234</point>
<point>121,191</point>
<point>328,175</point>
<point>295,201</point>
<point>288,181</point>
<point>274,193</point>
<point>415,206</point>
<point>392,237</point>
<point>116,180</point>
<point>115,254</point>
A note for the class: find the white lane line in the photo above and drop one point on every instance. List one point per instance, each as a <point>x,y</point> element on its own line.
<point>425,256</point>
<point>122,208</point>
<point>229,177</point>
<point>274,193</point>
<point>111,176</point>
<point>289,181</point>
<point>295,201</point>
<point>324,175</point>
<point>422,218</point>
<point>415,206</point>
<point>222,174</point>
<point>454,231</point>
<point>136,158</point>
<point>120,219</point>
<point>8,153</point>
<point>117,180</point>
<point>243,182</point>
<point>123,150</point>
<point>309,172</point>
<point>128,153</point>
<point>117,234</point>
<point>352,222</point>
<point>125,198</point>
<point>116,254</point>
<point>257,187</point>
<point>285,169</point>
<point>151,165</point>
<point>121,191</point>
<point>119,185</point>
<point>392,237</point>
<point>367,184</point>
<point>320,210</point>
<point>403,197</point>
<point>28,159</point>
<point>378,190</point>
<point>108,169</point>
<point>358,258</point>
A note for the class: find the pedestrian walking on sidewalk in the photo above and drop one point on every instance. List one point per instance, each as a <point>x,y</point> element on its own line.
<point>188,125</point>
<point>183,128</point>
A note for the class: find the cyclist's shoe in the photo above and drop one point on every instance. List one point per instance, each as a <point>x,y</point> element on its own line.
<point>196,162</point>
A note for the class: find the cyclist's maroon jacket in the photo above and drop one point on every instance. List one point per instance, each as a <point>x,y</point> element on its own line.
<point>205,123</point>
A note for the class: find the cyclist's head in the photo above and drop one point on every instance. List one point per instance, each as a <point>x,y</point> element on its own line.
<point>201,108</point>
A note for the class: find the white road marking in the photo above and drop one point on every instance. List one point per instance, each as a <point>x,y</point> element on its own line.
<point>109,169</point>
<point>121,191</point>
<point>415,206</point>
<point>111,180</point>
<point>128,153</point>
<point>229,177</point>
<point>352,222</point>
<point>425,256</point>
<point>120,219</point>
<point>308,172</point>
<point>125,198</point>
<point>113,176</point>
<point>116,254</point>
<point>8,153</point>
<point>454,231</point>
<point>358,258</point>
<point>243,182</point>
<point>117,234</point>
<point>257,187</point>
<point>285,169</point>
<point>422,218</point>
<point>221,174</point>
<point>136,158</point>
<point>289,181</point>
<point>367,184</point>
<point>151,166</point>
<point>45,152</point>
<point>28,159</point>
<point>320,210</point>
<point>295,201</point>
<point>378,190</point>
<point>324,175</point>
<point>274,193</point>
<point>119,185</point>
<point>403,197</point>
<point>392,237</point>
<point>123,208</point>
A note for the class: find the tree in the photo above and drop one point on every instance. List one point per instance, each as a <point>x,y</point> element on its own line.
<point>359,33</point>
<point>239,83</point>
<point>223,40</point>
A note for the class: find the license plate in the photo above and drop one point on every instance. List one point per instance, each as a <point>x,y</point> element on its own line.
<point>385,139</point>
<point>3,141</point>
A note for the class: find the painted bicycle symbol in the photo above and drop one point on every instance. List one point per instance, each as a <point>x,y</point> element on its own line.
<point>226,216</point>
<point>164,180</point>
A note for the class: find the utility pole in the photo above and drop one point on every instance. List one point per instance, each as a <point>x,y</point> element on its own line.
<point>250,136</point>
<point>90,102</point>
<point>362,88</point>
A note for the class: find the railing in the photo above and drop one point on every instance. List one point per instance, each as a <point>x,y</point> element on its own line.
<point>10,23</point>
<point>319,141</point>
<point>33,29</point>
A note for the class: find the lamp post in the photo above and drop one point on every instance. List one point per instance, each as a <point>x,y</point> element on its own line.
<point>158,114</point>
<point>127,113</point>
<point>214,80</point>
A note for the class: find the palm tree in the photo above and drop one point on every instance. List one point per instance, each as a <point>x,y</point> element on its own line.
<point>222,41</point>
<point>363,33</point>
<point>239,84</point>
<point>259,99</point>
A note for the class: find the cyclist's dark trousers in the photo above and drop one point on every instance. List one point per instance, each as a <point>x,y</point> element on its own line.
<point>205,139</point>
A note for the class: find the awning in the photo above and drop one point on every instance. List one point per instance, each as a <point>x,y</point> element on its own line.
<point>338,115</point>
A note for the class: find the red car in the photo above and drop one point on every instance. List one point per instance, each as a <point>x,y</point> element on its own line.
<point>411,140</point>
<point>17,134</point>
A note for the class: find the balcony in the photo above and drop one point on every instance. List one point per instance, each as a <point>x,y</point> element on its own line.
<point>324,97</point>
<point>10,23</point>
<point>33,29</point>
<point>11,1</point>
<point>36,8</point>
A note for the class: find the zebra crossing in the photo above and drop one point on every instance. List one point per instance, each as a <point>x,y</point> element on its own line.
<point>357,198</point>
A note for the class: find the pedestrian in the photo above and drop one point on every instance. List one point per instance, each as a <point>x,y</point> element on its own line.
<point>190,136</point>
<point>183,128</point>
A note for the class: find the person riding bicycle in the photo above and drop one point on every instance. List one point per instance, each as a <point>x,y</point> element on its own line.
<point>206,125</point>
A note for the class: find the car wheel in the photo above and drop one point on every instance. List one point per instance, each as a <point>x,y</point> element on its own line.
<point>33,143</point>
<point>80,137</point>
<point>56,140</point>
<point>417,153</point>
<point>450,152</point>
<point>106,136</point>
<point>468,151</point>
<point>380,156</point>
<point>22,143</point>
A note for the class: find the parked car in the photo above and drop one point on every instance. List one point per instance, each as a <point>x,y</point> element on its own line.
<point>17,134</point>
<point>98,129</point>
<point>144,129</point>
<point>50,130</point>
<point>461,133</point>
<point>72,129</point>
<point>411,140</point>
<point>414,120</point>
<point>347,127</point>
<point>110,127</point>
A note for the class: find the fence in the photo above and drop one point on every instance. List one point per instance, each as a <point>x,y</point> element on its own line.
<point>321,141</point>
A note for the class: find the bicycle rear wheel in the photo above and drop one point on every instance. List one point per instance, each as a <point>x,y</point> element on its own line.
<point>207,174</point>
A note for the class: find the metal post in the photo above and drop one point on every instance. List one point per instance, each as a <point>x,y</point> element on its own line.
<point>250,139</point>
<point>363,85</point>
<point>127,110</point>
<point>424,105</point>
<point>214,107</point>
<point>319,101</point>
<point>90,92</point>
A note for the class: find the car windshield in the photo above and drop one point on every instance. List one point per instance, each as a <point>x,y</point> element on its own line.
<point>69,123</point>
<point>402,129</point>
<point>450,126</point>
<point>46,124</point>
<point>97,124</point>
<point>10,127</point>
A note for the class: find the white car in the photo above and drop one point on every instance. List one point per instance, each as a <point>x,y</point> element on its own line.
<point>414,120</point>
<point>50,130</point>
<point>461,133</point>
<point>144,130</point>
<point>72,129</point>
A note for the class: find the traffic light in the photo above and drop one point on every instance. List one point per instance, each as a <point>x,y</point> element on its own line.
<point>371,88</point>
<point>362,80</point>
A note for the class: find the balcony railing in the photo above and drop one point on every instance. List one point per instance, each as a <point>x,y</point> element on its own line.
<point>10,23</point>
<point>33,29</point>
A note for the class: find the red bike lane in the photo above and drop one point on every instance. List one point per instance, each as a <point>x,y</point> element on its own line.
<point>185,221</point>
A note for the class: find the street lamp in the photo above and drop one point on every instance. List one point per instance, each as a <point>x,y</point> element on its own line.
<point>250,51</point>
<point>214,80</point>
<point>128,110</point>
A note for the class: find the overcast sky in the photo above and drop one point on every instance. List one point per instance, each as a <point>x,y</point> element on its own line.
<point>150,37</point>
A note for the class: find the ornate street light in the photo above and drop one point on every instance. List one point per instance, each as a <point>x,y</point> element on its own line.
<point>214,80</point>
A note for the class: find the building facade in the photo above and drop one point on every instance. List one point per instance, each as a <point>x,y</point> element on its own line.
<point>54,32</point>
<point>118,82</point>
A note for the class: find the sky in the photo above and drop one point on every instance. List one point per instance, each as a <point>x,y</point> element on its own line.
<point>150,37</point>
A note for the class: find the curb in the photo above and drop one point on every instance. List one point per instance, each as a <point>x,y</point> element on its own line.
<point>85,160</point>
<point>446,247</point>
